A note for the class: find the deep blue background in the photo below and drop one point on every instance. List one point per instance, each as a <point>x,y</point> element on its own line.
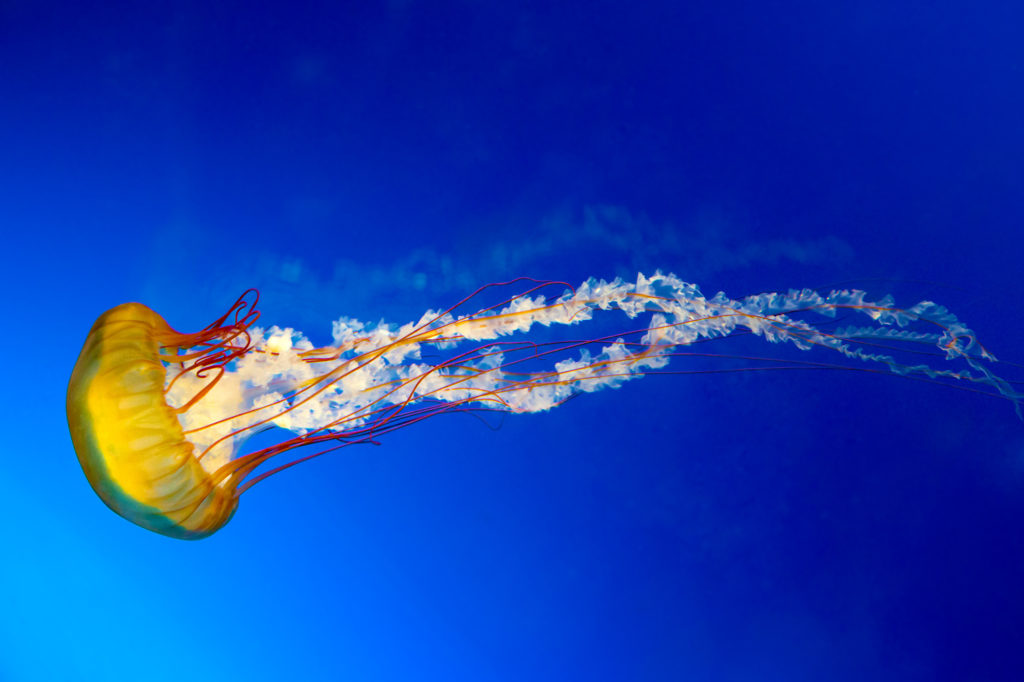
<point>376,159</point>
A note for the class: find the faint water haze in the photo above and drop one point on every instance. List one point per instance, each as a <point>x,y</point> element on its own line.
<point>599,240</point>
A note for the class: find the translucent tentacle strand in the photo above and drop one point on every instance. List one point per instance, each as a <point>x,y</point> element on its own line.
<point>375,378</point>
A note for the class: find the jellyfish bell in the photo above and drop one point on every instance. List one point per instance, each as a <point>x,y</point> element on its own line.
<point>158,417</point>
<point>129,440</point>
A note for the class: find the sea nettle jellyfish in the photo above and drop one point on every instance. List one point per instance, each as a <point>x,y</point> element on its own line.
<point>158,417</point>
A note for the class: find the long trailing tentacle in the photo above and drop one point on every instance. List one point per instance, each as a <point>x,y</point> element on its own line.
<point>374,380</point>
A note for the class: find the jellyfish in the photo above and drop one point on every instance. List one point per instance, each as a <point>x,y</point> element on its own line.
<point>159,418</point>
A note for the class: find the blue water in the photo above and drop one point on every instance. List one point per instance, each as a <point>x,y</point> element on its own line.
<point>378,159</point>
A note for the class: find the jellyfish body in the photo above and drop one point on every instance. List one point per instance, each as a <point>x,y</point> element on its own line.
<point>158,417</point>
<point>129,441</point>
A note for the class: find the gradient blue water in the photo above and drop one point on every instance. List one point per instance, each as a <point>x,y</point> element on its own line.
<point>379,160</point>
